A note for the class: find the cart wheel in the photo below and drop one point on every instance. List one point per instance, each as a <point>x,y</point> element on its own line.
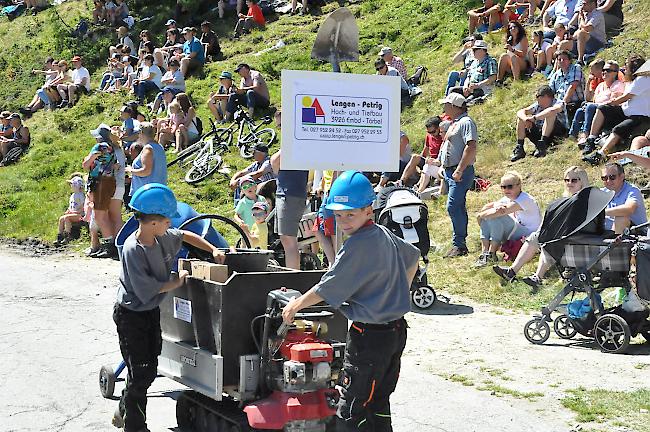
<point>423,297</point>
<point>185,413</point>
<point>563,327</point>
<point>646,335</point>
<point>537,331</point>
<point>310,261</point>
<point>106,381</point>
<point>612,334</point>
<point>201,420</point>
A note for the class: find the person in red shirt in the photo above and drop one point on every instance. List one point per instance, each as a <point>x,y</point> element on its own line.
<point>432,144</point>
<point>253,19</point>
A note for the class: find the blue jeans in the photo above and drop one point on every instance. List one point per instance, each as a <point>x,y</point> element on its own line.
<point>143,87</point>
<point>501,229</point>
<point>43,96</point>
<point>583,118</point>
<point>454,80</point>
<point>456,203</point>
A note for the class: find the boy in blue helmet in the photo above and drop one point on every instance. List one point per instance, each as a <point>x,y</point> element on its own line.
<point>372,274</point>
<point>148,256</point>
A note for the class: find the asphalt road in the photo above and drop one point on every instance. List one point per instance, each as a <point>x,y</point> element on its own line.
<point>56,331</point>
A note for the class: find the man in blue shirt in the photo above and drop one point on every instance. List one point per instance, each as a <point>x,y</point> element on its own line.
<point>193,54</point>
<point>626,207</point>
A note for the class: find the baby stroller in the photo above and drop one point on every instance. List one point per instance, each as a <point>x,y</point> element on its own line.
<point>402,211</point>
<point>573,235</point>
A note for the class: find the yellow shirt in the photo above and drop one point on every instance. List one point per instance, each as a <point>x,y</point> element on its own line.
<point>260,235</point>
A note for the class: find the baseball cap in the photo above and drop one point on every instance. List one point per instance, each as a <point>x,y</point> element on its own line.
<point>186,30</point>
<point>167,90</point>
<point>384,51</point>
<point>206,23</point>
<point>260,205</point>
<point>480,44</point>
<point>77,182</point>
<point>225,75</point>
<point>455,99</point>
<point>14,116</point>
<point>245,179</point>
<point>261,148</point>
<point>102,131</point>
<point>5,114</point>
<point>76,58</point>
<point>170,22</point>
<point>241,65</point>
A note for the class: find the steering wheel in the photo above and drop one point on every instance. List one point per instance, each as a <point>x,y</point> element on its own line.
<point>195,252</point>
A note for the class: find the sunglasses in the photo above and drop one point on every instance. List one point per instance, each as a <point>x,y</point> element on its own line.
<point>571,180</point>
<point>609,70</point>
<point>246,186</point>
<point>508,186</point>
<point>610,177</point>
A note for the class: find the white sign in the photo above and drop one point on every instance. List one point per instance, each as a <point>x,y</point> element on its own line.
<point>338,121</point>
<point>183,309</point>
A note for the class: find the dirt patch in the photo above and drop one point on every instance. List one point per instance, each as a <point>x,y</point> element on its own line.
<point>31,246</point>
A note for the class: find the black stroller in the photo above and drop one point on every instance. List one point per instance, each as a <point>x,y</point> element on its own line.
<point>573,235</point>
<point>402,211</point>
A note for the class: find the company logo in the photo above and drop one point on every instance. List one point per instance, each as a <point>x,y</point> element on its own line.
<point>312,112</point>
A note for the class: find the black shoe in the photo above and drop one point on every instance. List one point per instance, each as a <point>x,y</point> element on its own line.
<point>589,147</point>
<point>456,252</point>
<point>595,159</point>
<point>25,110</point>
<point>540,150</point>
<point>63,104</point>
<point>517,153</point>
<point>533,282</point>
<point>60,239</point>
<point>506,273</point>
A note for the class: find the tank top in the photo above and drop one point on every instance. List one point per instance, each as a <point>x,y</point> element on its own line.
<point>158,173</point>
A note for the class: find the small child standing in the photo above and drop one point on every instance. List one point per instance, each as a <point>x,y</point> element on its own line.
<point>75,211</point>
<point>244,208</point>
<point>369,283</point>
<point>148,256</point>
<point>259,233</point>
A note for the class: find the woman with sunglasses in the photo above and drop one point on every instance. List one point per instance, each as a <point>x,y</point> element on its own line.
<point>514,216</point>
<point>515,59</point>
<point>575,179</point>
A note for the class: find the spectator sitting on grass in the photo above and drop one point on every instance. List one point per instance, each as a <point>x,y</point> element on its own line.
<point>559,12</point>
<point>193,56</point>
<point>99,12</point>
<point>149,79</point>
<point>167,51</point>
<point>515,60</point>
<point>80,84</point>
<point>123,39</point>
<point>253,19</point>
<point>613,12</point>
<point>568,83</point>
<point>431,168</point>
<point>110,7</point>
<point>606,91</point>
<point>121,12</point>
<point>252,93</point>
<point>540,122</point>
<point>590,36</point>
<point>41,99</point>
<point>575,179</point>
<point>465,55</point>
<point>537,53</point>
<point>114,70</point>
<point>383,69</point>
<point>386,53</point>
<point>187,132</point>
<point>6,131</point>
<point>238,5</point>
<point>260,170</point>
<point>622,115</point>
<point>486,18</point>
<point>512,217</point>
<point>430,150</point>
<point>64,76</point>
<point>481,74</point>
<point>210,42</point>
<point>19,138</point>
<point>218,102</point>
<point>627,207</point>
<point>172,81</point>
<point>642,160</point>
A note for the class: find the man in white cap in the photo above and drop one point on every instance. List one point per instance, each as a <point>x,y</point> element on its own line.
<point>457,157</point>
<point>386,53</point>
<point>481,75</point>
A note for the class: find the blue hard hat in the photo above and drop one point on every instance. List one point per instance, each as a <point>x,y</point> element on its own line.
<point>155,198</point>
<point>351,190</point>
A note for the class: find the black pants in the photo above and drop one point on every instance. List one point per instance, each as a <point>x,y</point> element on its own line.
<point>370,372</point>
<point>618,122</point>
<point>140,344</point>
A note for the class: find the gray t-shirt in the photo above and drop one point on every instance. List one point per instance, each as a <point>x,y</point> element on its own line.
<point>597,19</point>
<point>369,274</point>
<point>145,269</point>
<point>461,131</point>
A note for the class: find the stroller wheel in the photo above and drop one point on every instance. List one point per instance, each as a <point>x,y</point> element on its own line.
<point>423,297</point>
<point>106,381</point>
<point>563,327</point>
<point>646,335</point>
<point>537,331</point>
<point>612,334</point>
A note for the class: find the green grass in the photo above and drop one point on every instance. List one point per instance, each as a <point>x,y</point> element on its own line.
<point>461,379</point>
<point>33,193</point>
<point>499,391</point>
<point>628,409</point>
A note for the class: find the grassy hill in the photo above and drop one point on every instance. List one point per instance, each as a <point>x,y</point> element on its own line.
<point>33,193</point>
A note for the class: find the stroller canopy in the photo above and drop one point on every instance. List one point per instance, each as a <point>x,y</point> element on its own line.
<point>583,212</point>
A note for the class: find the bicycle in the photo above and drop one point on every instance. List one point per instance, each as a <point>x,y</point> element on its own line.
<point>246,141</point>
<point>207,161</point>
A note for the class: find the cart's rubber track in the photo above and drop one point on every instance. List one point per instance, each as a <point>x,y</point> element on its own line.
<point>226,409</point>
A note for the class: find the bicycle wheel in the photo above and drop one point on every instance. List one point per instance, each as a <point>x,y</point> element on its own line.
<point>189,151</point>
<point>247,144</point>
<point>204,165</point>
<point>223,136</point>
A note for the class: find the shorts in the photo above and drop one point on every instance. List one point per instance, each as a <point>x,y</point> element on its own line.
<point>194,65</point>
<point>119,192</point>
<point>483,28</point>
<point>103,192</point>
<point>289,211</point>
<point>535,133</point>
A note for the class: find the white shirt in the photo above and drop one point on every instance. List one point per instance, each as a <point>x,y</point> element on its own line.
<point>640,103</point>
<point>529,216</point>
<point>79,74</point>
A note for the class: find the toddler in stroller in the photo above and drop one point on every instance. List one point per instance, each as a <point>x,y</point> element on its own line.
<point>574,237</point>
<point>402,211</point>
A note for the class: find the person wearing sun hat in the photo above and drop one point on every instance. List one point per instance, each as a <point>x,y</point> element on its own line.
<point>218,101</point>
